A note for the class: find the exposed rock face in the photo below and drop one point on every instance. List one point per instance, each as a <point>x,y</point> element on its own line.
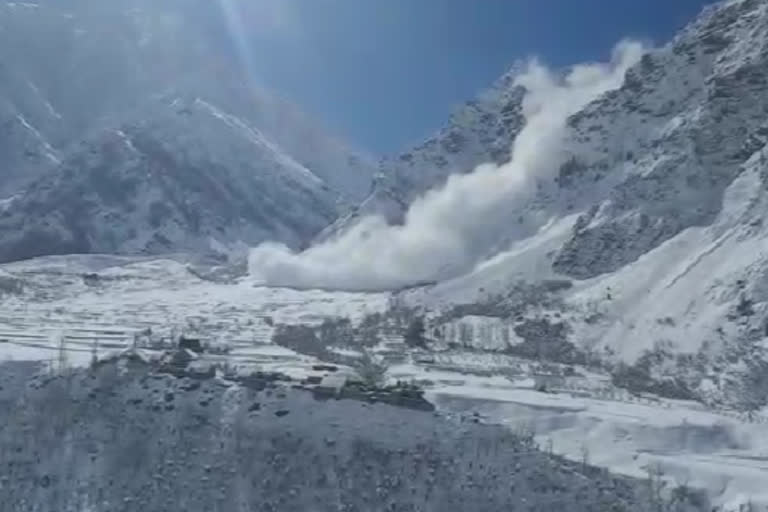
<point>687,119</point>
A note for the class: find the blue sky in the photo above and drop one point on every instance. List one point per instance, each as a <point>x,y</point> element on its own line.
<point>384,74</point>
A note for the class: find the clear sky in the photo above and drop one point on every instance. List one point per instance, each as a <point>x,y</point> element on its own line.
<point>384,74</point>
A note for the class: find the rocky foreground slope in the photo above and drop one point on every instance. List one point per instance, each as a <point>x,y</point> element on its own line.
<point>122,438</point>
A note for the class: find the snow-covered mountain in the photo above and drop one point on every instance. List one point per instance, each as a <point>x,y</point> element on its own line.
<point>479,132</point>
<point>185,177</point>
<point>655,227</point>
<point>641,274</point>
<point>75,73</point>
<point>648,246</point>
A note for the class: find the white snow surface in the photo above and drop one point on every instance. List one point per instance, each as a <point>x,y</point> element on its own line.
<point>103,302</point>
<point>127,295</point>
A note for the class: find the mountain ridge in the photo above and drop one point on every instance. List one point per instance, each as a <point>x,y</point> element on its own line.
<point>131,61</point>
<point>190,177</point>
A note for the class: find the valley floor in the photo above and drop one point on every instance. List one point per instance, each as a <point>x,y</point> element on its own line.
<point>68,308</point>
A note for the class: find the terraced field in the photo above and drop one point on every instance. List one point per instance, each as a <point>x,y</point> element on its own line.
<point>86,304</point>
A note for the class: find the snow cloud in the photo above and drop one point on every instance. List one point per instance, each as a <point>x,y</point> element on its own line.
<point>449,230</point>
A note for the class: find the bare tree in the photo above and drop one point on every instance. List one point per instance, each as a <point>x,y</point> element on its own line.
<point>63,361</point>
<point>584,450</point>
<point>370,371</point>
<point>94,353</point>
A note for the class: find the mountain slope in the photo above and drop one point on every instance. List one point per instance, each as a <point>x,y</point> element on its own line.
<point>247,446</point>
<point>479,132</point>
<point>185,177</point>
<point>654,226</point>
<point>89,69</point>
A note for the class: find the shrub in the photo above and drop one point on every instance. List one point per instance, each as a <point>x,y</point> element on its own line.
<point>414,333</point>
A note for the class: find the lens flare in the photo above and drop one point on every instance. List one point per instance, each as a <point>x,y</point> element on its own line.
<point>234,20</point>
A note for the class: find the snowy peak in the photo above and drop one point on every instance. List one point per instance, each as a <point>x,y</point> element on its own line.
<point>96,73</point>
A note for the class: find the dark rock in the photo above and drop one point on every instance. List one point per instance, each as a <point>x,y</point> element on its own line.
<point>191,385</point>
<point>192,344</point>
<point>325,368</point>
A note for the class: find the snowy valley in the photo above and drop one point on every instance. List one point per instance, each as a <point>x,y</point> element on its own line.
<point>614,306</point>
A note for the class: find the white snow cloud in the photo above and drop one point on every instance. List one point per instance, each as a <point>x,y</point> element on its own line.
<point>449,230</point>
